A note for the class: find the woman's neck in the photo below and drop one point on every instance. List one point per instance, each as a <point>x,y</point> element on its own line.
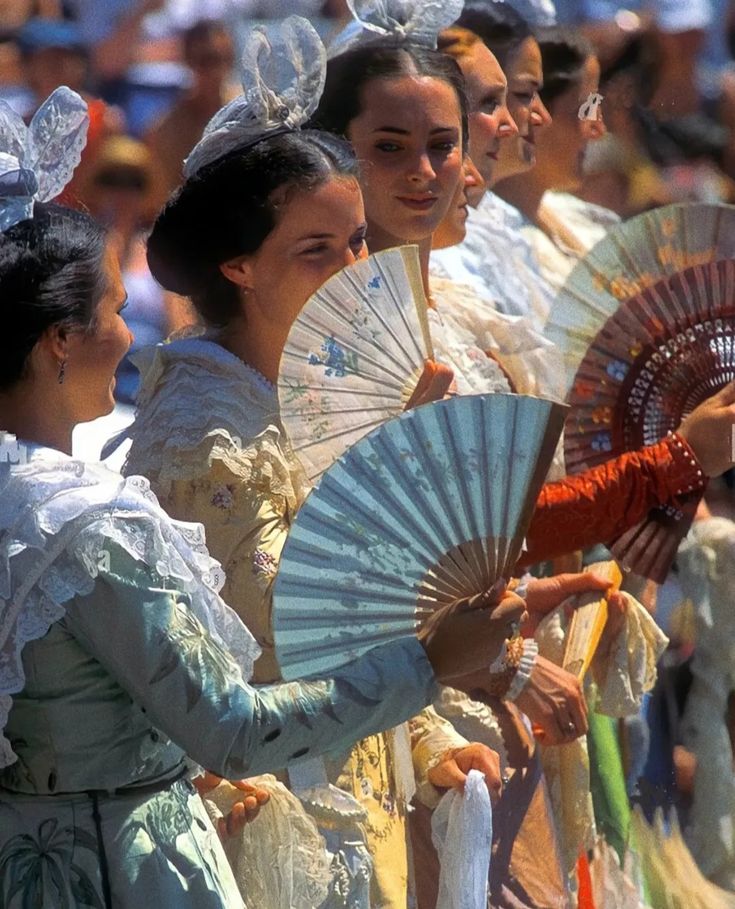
<point>256,342</point>
<point>378,240</point>
<point>524,191</point>
<point>21,416</point>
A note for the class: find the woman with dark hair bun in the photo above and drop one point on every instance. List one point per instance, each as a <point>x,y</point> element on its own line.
<point>256,228</point>
<point>120,664</point>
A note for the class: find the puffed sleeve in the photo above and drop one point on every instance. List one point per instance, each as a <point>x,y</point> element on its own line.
<point>596,506</point>
<point>432,737</point>
<point>247,515</point>
<point>153,645</point>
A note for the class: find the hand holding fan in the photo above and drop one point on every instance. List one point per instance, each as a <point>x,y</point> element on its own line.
<point>354,356</point>
<point>429,508</point>
<point>643,350</point>
<point>589,620</point>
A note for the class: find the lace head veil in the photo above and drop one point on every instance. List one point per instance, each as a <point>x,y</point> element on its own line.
<point>395,22</point>
<point>37,161</point>
<point>282,72</point>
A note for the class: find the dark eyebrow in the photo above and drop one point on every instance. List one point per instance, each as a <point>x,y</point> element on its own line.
<point>314,237</point>
<point>404,132</point>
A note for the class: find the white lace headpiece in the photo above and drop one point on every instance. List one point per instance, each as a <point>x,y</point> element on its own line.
<point>37,161</point>
<point>395,22</point>
<point>282,71</point>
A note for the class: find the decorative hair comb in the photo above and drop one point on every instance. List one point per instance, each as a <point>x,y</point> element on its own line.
<point>282,72</point>
<point>37,161</point>
<point>395,22</point>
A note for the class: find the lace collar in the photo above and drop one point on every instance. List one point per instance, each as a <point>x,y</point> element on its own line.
<point>56,513</point>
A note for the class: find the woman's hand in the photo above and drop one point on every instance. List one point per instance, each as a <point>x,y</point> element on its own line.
<point>243,811</point>
<point>468,634</point>
<point>433,384</point>
<point>708,430</point>
<point>451,772</point>
<point>553,700</point>
<point>545,594</point>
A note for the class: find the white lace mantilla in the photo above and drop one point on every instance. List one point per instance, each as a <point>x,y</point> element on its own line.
<point>199,403</point>
<point>58,514</point>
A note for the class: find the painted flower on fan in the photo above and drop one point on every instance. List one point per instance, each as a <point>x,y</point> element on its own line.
<point>635,349</point>
<point>584,389</point>
<point>264,564</point>
<point>374,282</point>
<point>617,370</point>
<point>602,415</point>
<point>337,362</point>
<point>601,442</point>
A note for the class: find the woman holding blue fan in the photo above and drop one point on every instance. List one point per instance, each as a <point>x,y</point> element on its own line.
<point>121,666</point>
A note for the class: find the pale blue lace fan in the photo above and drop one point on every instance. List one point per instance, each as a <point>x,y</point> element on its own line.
<point>430,507</point>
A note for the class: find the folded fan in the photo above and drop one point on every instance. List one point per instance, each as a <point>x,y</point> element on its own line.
<point>589,620</point>
<point>354,356</point>
<point>428,508</point>
<point>645,342</point>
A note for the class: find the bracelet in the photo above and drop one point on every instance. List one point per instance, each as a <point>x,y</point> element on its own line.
<point>525,668</point>
<point>505,667</point>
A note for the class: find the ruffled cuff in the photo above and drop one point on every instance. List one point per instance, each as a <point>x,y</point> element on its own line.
<point>525,668</point>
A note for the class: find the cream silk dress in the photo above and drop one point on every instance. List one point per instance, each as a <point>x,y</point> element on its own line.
<point>209,436</point>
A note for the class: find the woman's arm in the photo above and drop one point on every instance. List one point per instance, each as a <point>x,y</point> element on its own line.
<point>597,505</point>
<point>151,642</point>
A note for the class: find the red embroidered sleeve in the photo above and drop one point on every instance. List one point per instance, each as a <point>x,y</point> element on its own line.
<point>597,505</point>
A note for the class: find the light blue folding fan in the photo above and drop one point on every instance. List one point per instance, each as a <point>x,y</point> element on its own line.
<point>430,507</point>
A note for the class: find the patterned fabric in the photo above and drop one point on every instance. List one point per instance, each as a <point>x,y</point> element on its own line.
<point>124,685</point>
<point>230,464</point>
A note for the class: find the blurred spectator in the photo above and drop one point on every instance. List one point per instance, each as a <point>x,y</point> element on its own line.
<point>208,51</point>
<point>121,200</point>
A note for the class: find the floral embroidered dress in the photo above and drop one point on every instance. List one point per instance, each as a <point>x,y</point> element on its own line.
<point>209,436</point>
<point>114,678</point>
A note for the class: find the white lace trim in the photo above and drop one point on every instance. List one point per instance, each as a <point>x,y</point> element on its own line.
<point>198,404</point>
<point>523,673</point>
<point>283,68</point>
<point>64,511</point>
<point>395,21</point>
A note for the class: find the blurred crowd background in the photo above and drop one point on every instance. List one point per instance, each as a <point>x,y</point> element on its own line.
<point>154,72</point>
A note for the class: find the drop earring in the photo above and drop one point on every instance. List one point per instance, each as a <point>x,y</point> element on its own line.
<point>62,372</point>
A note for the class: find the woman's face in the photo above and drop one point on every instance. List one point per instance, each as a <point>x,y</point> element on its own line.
<point>452,229</point>
<point>93,357</point>
<point>489,120</point>
<point>408,138</point>
<point>561,147</point>
<point>319,232</point>
<point>525,78</point>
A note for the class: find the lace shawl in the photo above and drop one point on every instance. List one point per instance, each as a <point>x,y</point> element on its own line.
<point>467,327</point>
<point>57,514</point>
<point>198,403</point>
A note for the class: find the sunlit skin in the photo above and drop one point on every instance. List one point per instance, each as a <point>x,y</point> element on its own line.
<point>490,121</point>
<point>39,406</point>
<point>560,148</point>
<point>525,77</point>
<point>453,228</point>
<point>319,232</point>
<point>408,139</point>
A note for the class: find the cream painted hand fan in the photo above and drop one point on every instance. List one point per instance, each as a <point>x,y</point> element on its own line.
<point>428,508</point>
<point>646,325</point>
<point>354,356</point>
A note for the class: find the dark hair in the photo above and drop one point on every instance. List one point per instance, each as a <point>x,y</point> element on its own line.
<point>51,273</point>
<point>227,209</point>
<point>501,28</point>
<point>563,55</point>
<point>348,73</point>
